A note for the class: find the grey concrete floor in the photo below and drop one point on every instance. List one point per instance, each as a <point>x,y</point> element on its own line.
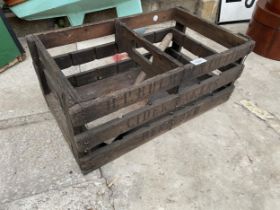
<point>227,158</point>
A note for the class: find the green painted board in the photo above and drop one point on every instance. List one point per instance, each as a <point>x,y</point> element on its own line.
<point>75,10</point>
<point>9,46</point>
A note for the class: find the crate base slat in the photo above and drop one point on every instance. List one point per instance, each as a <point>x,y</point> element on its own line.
<point>102,113</point>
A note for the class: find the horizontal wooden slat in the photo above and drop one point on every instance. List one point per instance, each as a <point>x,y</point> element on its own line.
<point>191,44</point>
<point>65,61</point>
<point>216,61</point>
<point>87,111</point>
<point>104,28</point>
<point>103,72</point>
<point>84,55</point>
<point>145,133</point>
<point>89,54</point>
<point>90,110</point>
<point>208,29</point>
<point>108,85</point>
<point>97,135</point>
<point>184,59</point>
<point>178,55</point>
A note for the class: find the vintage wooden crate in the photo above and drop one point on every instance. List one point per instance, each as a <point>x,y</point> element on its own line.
<point>103,104</point>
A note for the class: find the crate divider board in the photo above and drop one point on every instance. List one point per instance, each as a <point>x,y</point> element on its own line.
<point>176,90</point>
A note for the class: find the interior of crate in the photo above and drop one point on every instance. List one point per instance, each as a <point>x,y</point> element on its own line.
<point>98,74</point>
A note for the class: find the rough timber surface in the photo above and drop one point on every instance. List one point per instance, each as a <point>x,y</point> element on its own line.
<point>176,89</point>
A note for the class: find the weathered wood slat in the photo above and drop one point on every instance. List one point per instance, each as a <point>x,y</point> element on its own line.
<point>191,44</point>
<point>179,56</point>
<point>128,41</point>
<point>219,60</point>
<point>110,152</point>
<point>182,28</point>
<point>108,85</point>
<point>105,97</point>
<point>109,49</point>
<point>83,56</point>
<point>97,135</point>
<point>55,99</point>
<point>90,110</point>
<point>186,60</point>
<point>87,111</point>
<point>59,109</point>
<point>37,65</point>
<point>103,72</point>
<point>52,84</point>
<point>100,73</point>
<point>62,85</point>
<point>104,28</point>
<point>208,29</point>
<point>176,47</point>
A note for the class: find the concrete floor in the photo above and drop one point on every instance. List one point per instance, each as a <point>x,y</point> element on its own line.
<point>227,158</point>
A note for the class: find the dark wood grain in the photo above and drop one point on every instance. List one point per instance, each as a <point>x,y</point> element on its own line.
<point>128,41</point>
<point>191,44</point>
<point>143,134</point>
<point>104,28</point>
<point>103,72</point>
<point>109,49</point>
<point>116,127</point>
<point>60,84</point>
<point>208,29</point>
<point>89,110</point>
<point>182,28</point>
<point>176,89</point>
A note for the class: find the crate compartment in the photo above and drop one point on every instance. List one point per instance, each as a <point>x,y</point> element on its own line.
<point>103,113</point>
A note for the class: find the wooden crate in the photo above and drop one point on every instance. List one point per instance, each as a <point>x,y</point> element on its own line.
<point>94,106</point>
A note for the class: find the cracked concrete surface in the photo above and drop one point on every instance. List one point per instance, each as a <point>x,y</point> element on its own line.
<point>109,186</point>
<point>227,158</point>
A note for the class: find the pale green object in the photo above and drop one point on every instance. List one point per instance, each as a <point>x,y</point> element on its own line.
<point>75,10</point>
